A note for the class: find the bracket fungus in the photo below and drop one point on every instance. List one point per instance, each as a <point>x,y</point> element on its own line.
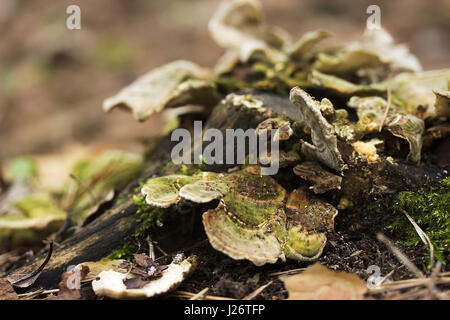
<point>375,49</point>
<point>324,141</point>
<point>323,180</point>
<point>414,92</point>
<point>250,221</point>
<point>373,113</point>
<point>112,283</point>
<point>174,84</point>
<point>308,221</point>
<point>409,128</point>
<point>442,104</point>
<point>284,128</point>
<point>34,214</point>
<point>239,27</point>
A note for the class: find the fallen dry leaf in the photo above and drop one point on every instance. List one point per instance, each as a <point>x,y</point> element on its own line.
<point>7,291</point>
<point>135,283</point>
<point>320,283</point>
<point>69,286</point>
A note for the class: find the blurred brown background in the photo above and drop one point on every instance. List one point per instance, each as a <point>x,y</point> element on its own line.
<point>53,80</point>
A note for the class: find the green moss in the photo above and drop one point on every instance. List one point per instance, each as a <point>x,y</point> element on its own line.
<point>138,188</point>
<point>120,201</point>
<point>278,78</point>
<point>21,168</point>
<point>189,170</point>
<point>125,252</point>
<point>168,165</point>
<point>430,209</point>
<point>226,84</point>
<point>149,216</point>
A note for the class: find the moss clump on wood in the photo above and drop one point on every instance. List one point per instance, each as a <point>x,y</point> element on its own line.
<point>125,252</point>
<point>149,217</point>
<point>430,209</point>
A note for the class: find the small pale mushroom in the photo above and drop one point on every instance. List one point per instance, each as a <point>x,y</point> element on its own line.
<point>202,191</point>
<point>162,192</point>
<point>371,112</point>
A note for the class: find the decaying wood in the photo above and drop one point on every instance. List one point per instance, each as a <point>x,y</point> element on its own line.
<point>99,238</point>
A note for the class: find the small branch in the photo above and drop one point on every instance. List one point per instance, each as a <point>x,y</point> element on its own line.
<point>255,293</point>
<point>185,294</point>
<point>288,272</point>
<point>85,188</point>
<point>200,295</point>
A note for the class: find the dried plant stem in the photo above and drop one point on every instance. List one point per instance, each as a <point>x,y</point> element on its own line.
<point>403,259</point>
<point>186,294</point>
<point>287,272</point>
<point>255,293</point>
<point>200,295</point>
<point>423,236</point>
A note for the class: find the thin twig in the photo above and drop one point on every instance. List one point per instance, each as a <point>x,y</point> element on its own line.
<point>400,256</point>
<point>160,250</point>
<point>85,188</point>
<point>186,294</point>
<point>200,295</point>
<point>406,284</point>
<point>151,249</point>
<point>403,259</point>
<point>386,277</point>
<point>288,272</point>
<point>37,293</point>
<point>255,293</point>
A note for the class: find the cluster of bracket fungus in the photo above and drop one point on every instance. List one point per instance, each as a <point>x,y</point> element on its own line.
<point>372,99</point>
<point>255,219</point>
